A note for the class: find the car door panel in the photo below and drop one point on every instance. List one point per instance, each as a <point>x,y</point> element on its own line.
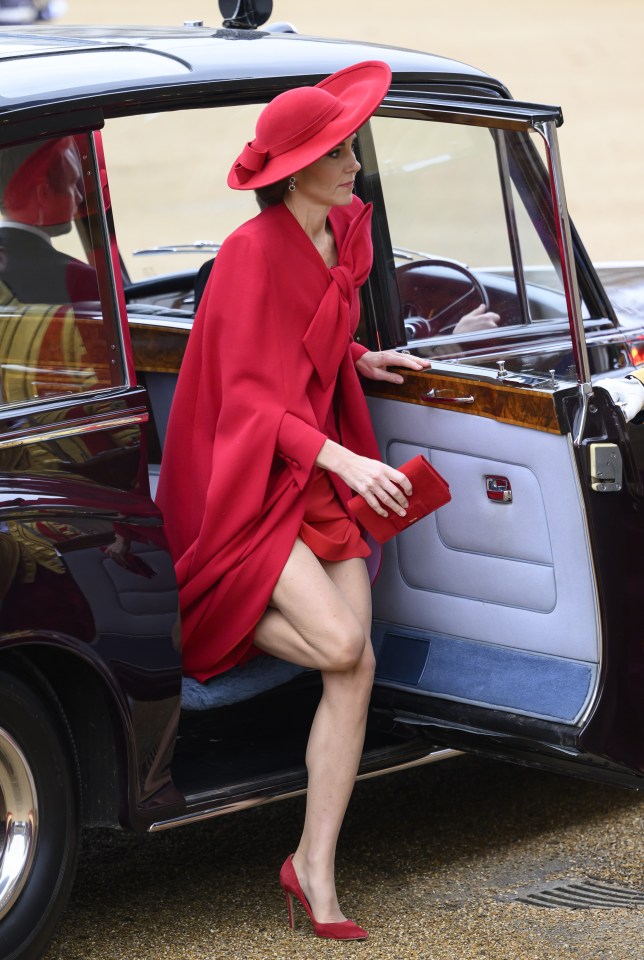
<point>520,570</point>
<point>481,674</point>
<point>489,623</point>
<point>502,594</point>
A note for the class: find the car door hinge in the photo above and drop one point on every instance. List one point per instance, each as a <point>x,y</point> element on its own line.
<point>605,467</point>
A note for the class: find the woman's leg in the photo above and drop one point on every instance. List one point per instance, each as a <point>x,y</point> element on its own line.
<point>310,621</point>
<point>333,753</point>
<point>322,615</point>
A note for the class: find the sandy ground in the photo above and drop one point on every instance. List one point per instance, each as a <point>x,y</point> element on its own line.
<point>582,54</point>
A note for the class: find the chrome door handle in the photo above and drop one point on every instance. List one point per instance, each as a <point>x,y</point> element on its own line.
<point>444,397</point>
<point>499,489</point>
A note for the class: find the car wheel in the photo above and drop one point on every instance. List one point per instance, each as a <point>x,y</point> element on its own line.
<point>39,819</point>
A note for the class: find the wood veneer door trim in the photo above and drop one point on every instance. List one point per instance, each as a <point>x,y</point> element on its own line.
<point>497,401</point>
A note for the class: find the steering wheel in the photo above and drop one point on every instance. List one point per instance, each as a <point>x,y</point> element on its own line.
<point>436,294</point>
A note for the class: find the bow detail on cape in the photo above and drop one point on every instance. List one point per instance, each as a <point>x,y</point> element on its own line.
<point>329,332</point>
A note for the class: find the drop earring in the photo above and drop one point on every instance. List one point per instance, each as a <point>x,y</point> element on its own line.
<point>291,184</point>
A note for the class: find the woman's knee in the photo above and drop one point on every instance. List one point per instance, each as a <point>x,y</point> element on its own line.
<point>343,649</point>
<point>352,651</point>
<point>355,684</point>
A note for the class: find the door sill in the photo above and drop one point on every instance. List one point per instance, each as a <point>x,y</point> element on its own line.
<point>233,797</point>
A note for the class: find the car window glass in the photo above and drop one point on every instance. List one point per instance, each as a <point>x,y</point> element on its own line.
<point>57,320</point>
<point>471,225</point>
<point>450,174</point>
<point>168,188</point>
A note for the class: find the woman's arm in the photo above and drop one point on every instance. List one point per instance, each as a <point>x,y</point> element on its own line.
<point>379,484</point>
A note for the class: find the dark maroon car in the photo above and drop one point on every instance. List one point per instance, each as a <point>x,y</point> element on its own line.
<point>507,623</point>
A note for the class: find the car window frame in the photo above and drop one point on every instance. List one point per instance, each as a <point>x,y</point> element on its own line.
<point>491,113</point>
<point>114,318</point>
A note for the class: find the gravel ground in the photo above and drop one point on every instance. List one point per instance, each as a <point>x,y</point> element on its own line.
<point>428,862</point>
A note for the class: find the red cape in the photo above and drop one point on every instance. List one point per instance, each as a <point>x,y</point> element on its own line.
<point>268,374</point>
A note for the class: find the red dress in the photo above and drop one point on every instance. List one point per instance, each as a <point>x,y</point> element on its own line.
<point>326,527</point>
<point>268,375</point>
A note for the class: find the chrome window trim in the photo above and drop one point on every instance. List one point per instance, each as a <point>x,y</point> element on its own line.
<point>74,428</point>
<point>571,287</point>
<point>474,111</point>
<point>36,405</point>
<point>553,326</point>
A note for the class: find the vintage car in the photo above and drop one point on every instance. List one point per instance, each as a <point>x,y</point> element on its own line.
<point>507,623</point>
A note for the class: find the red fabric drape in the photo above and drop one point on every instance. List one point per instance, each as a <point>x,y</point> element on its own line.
<point>267,376</point>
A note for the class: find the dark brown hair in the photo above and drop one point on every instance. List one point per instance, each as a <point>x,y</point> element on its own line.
<point>272,194</point>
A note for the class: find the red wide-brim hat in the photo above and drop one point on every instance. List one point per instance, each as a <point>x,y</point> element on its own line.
<point>301,125</point>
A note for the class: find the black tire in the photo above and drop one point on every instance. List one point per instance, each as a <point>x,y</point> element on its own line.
<point>39,852</point>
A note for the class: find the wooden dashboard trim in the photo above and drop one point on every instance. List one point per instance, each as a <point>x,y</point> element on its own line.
<point>157,350</point>
<point>161,352</point>
<point>520,406</point>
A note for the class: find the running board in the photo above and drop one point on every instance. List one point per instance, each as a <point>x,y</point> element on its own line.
<point>198,815</point>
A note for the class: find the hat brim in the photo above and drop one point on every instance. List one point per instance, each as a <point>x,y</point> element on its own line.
<point>360,88</point>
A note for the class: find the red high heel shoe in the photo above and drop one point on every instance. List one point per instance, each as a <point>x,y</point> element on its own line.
<point>340,930</point>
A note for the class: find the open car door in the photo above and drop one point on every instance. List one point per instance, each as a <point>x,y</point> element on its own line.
<point>509,621</point>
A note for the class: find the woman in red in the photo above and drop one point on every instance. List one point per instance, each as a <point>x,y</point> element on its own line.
<point>270,435</point>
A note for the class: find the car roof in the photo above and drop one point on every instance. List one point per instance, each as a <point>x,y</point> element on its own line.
<point>45,66</point>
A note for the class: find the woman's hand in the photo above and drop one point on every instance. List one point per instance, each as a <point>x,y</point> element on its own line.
<point>377,482</point>
<point>373,365</point>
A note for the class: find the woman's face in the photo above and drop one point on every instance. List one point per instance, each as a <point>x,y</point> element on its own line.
<point>329,181</point>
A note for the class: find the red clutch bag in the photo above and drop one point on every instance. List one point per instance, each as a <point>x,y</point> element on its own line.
<point>430,491</point>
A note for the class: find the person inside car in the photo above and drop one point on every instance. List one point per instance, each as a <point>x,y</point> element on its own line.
<point>268,436</point>
<point>48,298</point>
<point>40,196</point>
